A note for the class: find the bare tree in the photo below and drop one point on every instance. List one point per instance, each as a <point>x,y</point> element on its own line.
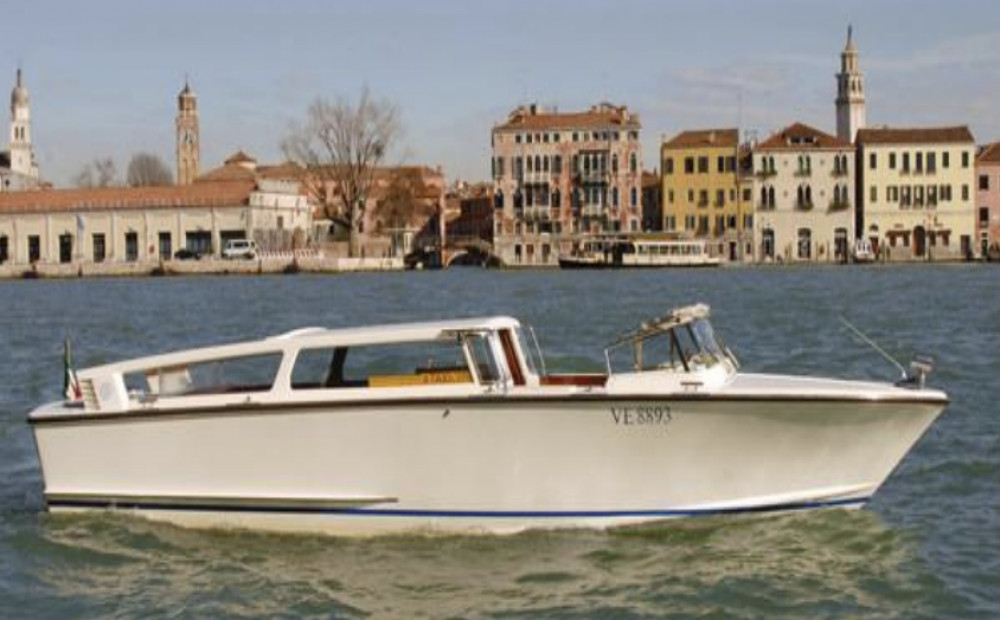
<point>341,144</point>
<point>403,203</point>
<point>146,169</point>
<point>98,173</point>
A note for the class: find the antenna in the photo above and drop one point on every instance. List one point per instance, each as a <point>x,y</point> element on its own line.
<point>874,345</point>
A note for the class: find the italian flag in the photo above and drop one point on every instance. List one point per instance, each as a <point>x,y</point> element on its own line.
<point>71,386</point>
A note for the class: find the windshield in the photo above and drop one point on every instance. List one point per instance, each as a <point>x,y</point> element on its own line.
<point>684,348</point>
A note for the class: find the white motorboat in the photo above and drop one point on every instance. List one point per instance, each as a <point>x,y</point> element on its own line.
<point>456,426</point>
<point>638,251</point>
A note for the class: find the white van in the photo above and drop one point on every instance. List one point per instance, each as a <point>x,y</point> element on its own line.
<point>240,248</point>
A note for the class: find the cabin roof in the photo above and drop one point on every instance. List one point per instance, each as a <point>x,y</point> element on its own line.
<point>312,337</point>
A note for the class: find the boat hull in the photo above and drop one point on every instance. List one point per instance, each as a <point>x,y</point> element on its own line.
<point>496,465</point>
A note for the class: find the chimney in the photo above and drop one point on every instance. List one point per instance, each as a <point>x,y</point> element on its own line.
<point>711,137</point>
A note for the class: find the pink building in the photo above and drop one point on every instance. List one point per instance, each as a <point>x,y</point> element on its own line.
<point>559,177</point>
<point>988,199</point>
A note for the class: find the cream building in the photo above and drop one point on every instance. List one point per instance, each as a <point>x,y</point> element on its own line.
<point>803,196</point>
<point>562,176</point>
<point>120,224</point>
<point>916,192</point>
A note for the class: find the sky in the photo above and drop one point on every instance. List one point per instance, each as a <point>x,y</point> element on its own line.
<point>103,75</point>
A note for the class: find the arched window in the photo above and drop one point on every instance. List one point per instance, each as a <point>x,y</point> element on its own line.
<point>614,196</point>
<point>614,163</point>
<point>770,196</point>
<point>801,196</point>
<point>557,164</point>
<point>518,199</point>
<point>586,163</point>
<point>530,162</point>
<point>809,196</point>
<point>529,192</point>
<point>763,196</point>
<point>556,199</point>
<point>498,200</point>
<point>545,163</point>
<point>538,163</point>
<point>633,163</point>
<point>633,197</point>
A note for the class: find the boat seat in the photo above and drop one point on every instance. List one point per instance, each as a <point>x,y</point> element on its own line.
<point>575,379</point>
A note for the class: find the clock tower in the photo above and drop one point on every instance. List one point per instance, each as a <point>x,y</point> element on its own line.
<point>188,143</point>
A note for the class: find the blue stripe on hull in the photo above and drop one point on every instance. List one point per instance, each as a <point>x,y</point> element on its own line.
<point>462,514</point>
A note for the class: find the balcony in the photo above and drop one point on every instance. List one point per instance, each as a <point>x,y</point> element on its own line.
<point>593,211</point>
<point>766,173</point>
<point>591,176</point>
<point>536,214</point>
<point>839,172</point>
<point>839,205</point>
<point>804,205</point>
<point>803,172</point>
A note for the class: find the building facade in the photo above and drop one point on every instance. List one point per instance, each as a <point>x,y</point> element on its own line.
<point>915,192</point>
<point>188,136</point>
<point>147,224</point>
<point>988,200</point>
<point>850,100</point>
<point>702,196</point>
<point>18,167</point>
<point>560,177</point>
<point>804,188</point>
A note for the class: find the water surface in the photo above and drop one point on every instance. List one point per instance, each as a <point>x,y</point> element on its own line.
<point>927,546</point>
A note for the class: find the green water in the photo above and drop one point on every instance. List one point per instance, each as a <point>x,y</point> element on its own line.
<point>927,546</point>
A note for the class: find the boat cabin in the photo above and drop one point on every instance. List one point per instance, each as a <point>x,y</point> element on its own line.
<point>448,359</point>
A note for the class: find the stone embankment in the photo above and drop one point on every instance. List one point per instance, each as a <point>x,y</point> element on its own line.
<point>206,266</point>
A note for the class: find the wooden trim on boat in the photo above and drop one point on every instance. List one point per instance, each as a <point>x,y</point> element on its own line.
<point>268,408</point>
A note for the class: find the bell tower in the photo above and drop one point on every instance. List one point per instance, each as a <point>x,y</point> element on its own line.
<point>188,138</point>
<point>22,157</point>
<point>850,93</point>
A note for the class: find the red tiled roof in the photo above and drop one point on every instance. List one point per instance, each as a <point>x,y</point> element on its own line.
<point>104,198</point>
<point>990,154</point>
<point>650,180</point>
<point>799,136</point>
<point>286,170</point>
<point>704,137</point>
<point>598,116</point>
<point>229,172</point>
<point>914,135</point>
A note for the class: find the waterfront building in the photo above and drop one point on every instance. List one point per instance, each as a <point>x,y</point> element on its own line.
<point>702,193</point>
<point>988,199</point>
<point>915,189</point>
<point>188,136</point>
<point>18,166</point>
<point>850,102</point>
<point>560,177</point>
<point>803,188</point>
<point>150,224</point>
<point>120,224</point>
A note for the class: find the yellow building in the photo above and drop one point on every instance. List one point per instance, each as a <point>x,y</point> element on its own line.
<point>701,189</point>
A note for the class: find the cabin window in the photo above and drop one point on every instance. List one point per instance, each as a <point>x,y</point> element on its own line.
<point>379,366</point>
<point>235,375</point>
<point>482,358</point>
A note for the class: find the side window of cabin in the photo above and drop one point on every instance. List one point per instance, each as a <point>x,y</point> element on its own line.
<point>380,366</point>
<point>237,375</point>
<point>483,358</point>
